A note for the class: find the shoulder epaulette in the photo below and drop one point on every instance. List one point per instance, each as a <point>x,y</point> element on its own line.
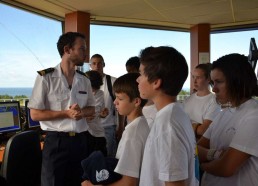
<point>45,71</point>
<point>80,72</point>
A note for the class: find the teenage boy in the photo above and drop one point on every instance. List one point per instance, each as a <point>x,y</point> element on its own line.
<point>169,155</point>
<point>131,146</point>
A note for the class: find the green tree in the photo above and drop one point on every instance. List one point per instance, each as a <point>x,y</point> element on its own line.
<point>20,97</point>
<point>6,96</point>
<point>184,92</point>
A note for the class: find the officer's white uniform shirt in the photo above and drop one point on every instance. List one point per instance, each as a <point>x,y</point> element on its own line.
<point>131,147</point>
<point>51,92</point>
<point>110,119</point>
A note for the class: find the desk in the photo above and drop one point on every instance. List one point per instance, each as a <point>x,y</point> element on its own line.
<point>2,151</point>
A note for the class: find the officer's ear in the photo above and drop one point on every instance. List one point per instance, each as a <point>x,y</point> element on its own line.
<point>103,63</point>
<point>66,49</point>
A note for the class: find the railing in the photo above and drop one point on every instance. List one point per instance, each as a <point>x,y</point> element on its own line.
<point>21,100</point>
<point>181,98</point>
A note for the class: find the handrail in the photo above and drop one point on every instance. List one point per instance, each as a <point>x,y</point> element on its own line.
<point>21,100</point>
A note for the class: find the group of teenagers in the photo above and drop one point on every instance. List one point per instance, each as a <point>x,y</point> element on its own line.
<point>209,133</point>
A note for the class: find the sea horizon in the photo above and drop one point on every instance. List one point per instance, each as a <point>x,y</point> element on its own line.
<point>27,91</point>
<point>16,91</point>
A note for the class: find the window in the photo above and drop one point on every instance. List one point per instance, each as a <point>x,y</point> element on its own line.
<point>28,44</point>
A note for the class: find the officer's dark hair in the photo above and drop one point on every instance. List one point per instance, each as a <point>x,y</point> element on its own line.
<point>67,39</point>
<point>95,79</point>
<point>167,64</point>
<point>127,84</point>
<point>241,81</point>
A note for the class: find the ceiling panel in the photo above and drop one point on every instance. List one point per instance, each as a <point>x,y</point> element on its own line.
<point>166,14</point>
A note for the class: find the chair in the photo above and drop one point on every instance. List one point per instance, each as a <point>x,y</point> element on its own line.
<point>22,160</point>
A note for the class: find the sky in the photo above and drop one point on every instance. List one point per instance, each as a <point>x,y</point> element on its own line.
<point>28,43</point>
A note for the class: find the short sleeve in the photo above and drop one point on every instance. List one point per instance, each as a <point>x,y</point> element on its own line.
<point>91,98</point>
<point>212,110</point>
<point>173,166</point>
<point>130,158</point>
<point>99,99</point>
<point>38,93</point>
<point>246,136</point>
<point>207,133</point>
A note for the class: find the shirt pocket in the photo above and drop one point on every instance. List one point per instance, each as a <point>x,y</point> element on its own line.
<point>81,99</point>
<point>58,102</point>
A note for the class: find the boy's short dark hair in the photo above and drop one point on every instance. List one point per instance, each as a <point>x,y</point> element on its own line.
<point>95,79</point>
<point>67,39</point>
<point>127,84</point>
<point>167,64</point>
<point>133,61</point>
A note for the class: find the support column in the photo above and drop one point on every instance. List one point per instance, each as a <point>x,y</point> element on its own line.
<point>200,46</point>
<point>79,22</point>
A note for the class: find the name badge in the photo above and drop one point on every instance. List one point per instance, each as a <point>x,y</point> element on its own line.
<point>82,92</point>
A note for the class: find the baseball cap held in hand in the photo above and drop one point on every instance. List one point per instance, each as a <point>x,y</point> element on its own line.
<point>99,169</point>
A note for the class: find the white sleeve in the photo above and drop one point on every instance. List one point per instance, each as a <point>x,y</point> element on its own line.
<point>212,110</point>
<point>173,166</point>
<point>130,158</point>
<point>91,98</point>
<point>207,133</point>
<point>40,89</point>
<point>246,136</point>
<point>99,100</point>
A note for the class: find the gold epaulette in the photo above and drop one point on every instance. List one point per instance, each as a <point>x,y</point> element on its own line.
<point>45,71</point>
<point>80,72</point>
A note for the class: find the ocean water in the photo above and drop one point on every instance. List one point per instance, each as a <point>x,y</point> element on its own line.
<point>16,91</point>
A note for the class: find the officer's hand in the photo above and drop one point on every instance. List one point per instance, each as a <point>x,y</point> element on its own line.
<point>74,112</point>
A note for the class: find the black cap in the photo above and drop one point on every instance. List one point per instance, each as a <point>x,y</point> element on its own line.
<point>99,169</point>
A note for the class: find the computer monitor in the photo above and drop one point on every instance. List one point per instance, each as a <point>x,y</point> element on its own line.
<point>31,123</point>
<point>10,117</point>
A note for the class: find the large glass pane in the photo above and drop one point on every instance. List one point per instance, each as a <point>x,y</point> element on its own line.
<point>118,44</point>
<point>28,43</point>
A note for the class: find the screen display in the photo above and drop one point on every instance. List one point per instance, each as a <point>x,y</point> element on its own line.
<point>31,123</point>
<point>10,116</point>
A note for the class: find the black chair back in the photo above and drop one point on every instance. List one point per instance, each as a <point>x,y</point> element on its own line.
<point>22,160</point>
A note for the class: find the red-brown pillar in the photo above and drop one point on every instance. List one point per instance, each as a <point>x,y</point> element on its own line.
<point>200,46</point>
<point>79,22</point>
